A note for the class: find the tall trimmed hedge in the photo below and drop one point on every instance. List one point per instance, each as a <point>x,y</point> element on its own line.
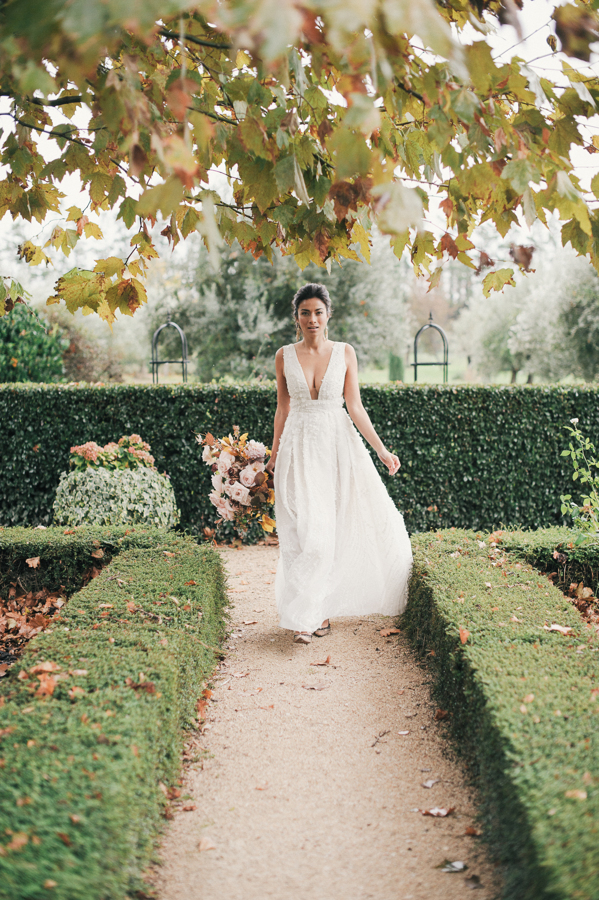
<point>472,456</point>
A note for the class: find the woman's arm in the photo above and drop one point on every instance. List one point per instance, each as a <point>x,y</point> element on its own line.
<point>359,415</point>
<point>283,402</point>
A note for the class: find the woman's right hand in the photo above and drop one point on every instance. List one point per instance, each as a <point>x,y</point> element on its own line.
<point>270,465</point>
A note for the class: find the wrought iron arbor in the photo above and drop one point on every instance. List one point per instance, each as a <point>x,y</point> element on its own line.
<point>445,363</point>
<point>156,363</point>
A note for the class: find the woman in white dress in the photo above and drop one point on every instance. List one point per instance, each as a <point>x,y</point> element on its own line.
<point>344,549</point>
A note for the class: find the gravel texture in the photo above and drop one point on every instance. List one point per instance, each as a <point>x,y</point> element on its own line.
<point>303,785</point>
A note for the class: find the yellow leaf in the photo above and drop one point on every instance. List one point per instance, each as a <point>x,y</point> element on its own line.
<point>111,266</point>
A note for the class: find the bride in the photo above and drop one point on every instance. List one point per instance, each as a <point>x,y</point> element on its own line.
<point>344,549</point>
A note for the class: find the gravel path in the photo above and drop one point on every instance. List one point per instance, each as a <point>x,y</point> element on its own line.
<point>308,789</point>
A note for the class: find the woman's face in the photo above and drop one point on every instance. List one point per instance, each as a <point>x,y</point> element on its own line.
<point>312,317</point>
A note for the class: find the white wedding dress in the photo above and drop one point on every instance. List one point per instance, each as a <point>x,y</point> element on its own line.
<point>344,549</point>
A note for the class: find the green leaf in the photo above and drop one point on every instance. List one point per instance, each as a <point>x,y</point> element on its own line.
<point>497,281</point>
<point>128,211</point>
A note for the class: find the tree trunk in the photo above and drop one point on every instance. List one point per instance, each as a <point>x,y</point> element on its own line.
<point>514,375</point>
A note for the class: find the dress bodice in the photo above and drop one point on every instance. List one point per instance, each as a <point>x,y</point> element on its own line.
<point>330,394</point>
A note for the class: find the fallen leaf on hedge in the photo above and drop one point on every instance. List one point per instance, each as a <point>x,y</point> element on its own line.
<point>131,606</point>
<point>75,819</point>
<point>49,884</point>
<point>187,583</point>
<point>515,619</point>
<point>3,669</point>
<point>464,634</point>
<point>385,632</point>
<point>163,787</point>
<point>76,692</point>
<point>46,686</point>
<point>33,562</point>
<point>168,553</point>
<point>563,629</point>
<point>438,812</point>
<point>206,844</point>
<point>325,663</point>
<point>97,554</point>
<point>44,667</point>
<point>174,599</point>
<point>529,698</point>
<point>18,841</point>
<point>471,831</point>
<point>431,782</point>
<point>315,687</point>
<point>488,584</point>
<point>64,838</point>
<point>441,714</point>
<point>576,795</point>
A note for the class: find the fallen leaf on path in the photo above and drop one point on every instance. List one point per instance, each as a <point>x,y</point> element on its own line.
<point>259,610</point>
<point>325,663</point>
<point>431,782</point>
<point>464,634</point>
<point>563,629</point>
<point>438,812</point>
<point>188,807</point>
<point>441,714</point>
<point>473,882</point>
<point>33,562</point>
<point>385,632</point>
<point>457,866</point>
<point>471,831</point>
<point>403,732</point>
<point>315,687</point>
<point>262,787</point>
<point>237,590</point>
<point>410,715</point>
<point>272,706</point>
<point>206,844</point>
<point>250,622</point>
<point>239,674</point>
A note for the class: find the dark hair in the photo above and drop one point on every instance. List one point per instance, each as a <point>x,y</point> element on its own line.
<point>307,292</point>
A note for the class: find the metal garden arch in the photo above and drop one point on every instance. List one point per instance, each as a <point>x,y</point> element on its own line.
<point>156,363</point>
<point>445,363</point>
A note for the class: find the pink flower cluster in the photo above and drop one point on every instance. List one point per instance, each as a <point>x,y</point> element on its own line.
<point>89,451</point>
<point>241,488</point>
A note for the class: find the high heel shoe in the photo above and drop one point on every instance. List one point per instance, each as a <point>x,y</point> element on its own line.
<point>302,637</point>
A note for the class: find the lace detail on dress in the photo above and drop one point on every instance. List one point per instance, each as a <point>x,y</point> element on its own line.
<point>344,549</point>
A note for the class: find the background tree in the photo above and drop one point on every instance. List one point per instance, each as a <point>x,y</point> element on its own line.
<point>322,119</point>
<point>28,350</point>
<point>237,316</point>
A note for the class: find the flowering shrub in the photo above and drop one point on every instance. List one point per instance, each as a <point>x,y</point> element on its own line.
<point>241,488</point>
<point>130,453</point>
<point>98,496</point>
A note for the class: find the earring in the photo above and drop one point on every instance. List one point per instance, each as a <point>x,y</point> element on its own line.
<point>298,332</point>
<point>326,332</point>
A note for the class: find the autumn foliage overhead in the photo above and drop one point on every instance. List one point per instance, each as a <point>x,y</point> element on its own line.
<point>326,118</point>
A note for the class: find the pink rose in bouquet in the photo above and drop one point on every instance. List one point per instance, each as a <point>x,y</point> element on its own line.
<point>241,488</point>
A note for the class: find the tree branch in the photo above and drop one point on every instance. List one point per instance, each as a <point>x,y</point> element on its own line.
<point>194,40</point>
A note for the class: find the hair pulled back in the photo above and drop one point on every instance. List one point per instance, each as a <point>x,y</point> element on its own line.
<point>306,292</point>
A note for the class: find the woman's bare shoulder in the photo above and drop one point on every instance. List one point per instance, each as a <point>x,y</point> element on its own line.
<point>280,353</point>
<point>350,353</point>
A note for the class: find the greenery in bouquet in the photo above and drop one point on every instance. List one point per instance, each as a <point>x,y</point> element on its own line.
<point>586,471</point>
<point>131,452</point>
<point>242,490</point>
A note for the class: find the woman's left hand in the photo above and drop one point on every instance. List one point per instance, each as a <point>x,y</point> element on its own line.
<point>390,460</point>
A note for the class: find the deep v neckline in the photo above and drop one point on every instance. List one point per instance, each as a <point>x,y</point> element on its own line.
<point>305,380</point>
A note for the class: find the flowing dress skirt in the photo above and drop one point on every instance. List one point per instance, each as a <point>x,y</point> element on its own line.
<point>344,549</point>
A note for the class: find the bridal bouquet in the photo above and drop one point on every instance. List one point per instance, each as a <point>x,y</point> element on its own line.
<point>242,489</point>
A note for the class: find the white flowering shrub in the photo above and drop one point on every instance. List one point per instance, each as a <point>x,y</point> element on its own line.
<point>116,497</point>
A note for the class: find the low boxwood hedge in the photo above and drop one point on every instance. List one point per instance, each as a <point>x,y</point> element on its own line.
<point>472,456</point>
<point>81,767</point>
<point>522,703</point>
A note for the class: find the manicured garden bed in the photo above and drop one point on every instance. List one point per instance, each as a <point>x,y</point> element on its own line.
<point>523,701</point>
<point>93,715</point>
